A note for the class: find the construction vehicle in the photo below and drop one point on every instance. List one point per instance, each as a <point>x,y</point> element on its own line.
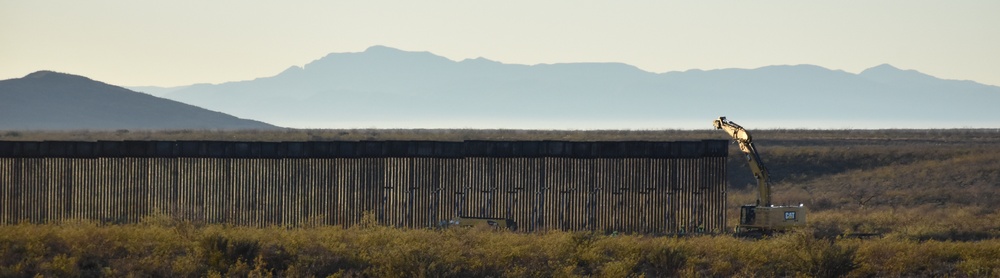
<point>762,218</point>
<point>489,223</point>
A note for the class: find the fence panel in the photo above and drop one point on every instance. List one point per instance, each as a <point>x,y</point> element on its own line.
<point>626,187</point>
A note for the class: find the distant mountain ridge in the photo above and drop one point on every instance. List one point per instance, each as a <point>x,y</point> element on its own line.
<point>47,100</point>
<point>390,88</point>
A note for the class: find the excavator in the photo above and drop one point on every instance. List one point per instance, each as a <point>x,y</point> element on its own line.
<point>763,218</point>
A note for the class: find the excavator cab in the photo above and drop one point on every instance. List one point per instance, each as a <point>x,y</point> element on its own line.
<point>748,215</point>
<point>759,220</point>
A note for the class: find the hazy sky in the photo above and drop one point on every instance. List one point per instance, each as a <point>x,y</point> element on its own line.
<point>169,43</point>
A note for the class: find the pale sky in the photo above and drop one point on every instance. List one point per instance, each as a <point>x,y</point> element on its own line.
<point>172,43</point>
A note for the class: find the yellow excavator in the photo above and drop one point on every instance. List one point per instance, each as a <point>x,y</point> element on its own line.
<point>762,218</point>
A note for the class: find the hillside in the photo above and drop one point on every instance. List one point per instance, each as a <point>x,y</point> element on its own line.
<point>48,100</point>
<point>384,87</point>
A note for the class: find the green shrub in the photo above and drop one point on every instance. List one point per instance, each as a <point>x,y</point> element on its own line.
<point>85,249</point>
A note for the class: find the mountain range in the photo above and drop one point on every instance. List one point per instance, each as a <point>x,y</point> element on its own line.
<point>390,88</point>
<point>47,100</point>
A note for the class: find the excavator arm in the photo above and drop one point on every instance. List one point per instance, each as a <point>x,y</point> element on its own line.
<point>745,141</point>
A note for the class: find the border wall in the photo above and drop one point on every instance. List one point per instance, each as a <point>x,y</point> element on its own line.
<point>628,187</point>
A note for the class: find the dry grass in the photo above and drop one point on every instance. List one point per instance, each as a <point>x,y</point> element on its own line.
<point>179,249</point>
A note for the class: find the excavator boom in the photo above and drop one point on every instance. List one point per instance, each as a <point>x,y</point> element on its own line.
<point>745,141</point>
